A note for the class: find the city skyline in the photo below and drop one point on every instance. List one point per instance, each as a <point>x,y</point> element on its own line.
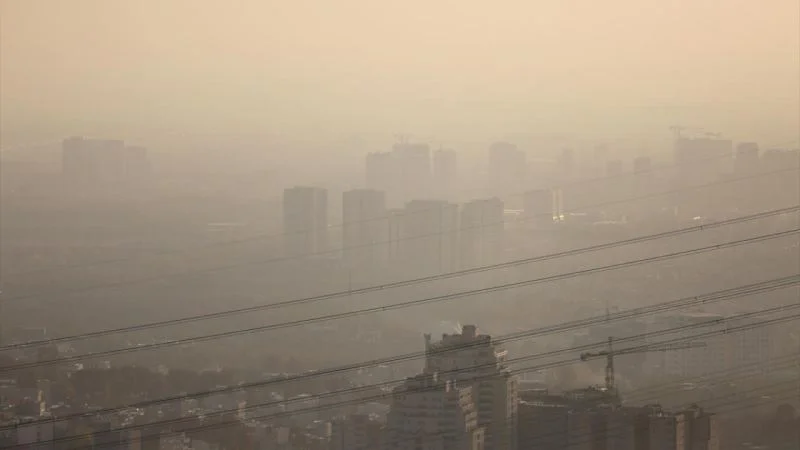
<point>422,225</point>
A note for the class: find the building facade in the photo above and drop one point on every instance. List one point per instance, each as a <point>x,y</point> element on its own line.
<point>305,221</point>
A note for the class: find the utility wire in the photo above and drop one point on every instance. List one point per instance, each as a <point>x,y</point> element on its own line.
<point>704,299</point>
<point>475,368</point>
<point>404,283</point>
<point>232,266</point>
<point>402,305</point>
<point>339,225</point>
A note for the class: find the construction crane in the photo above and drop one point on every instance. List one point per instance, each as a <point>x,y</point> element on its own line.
<point>610,353</point>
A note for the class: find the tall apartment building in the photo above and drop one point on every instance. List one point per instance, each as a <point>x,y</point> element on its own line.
<point>445,172</point>
<point>403,174</point>
<point>507,170</point>
<point>426,236</point>
<point>542,426</point>
<point>305,221</point>
<point>474,358</point>
<point>91,161</point>
<point>701,160</point>
<point>365,229</point>
<point>432,413</point>
<point>481,232</point>
<point>558,422</point>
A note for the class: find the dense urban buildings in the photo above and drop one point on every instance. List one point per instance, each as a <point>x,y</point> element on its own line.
<point>287,220</point>
<point>467,378</point>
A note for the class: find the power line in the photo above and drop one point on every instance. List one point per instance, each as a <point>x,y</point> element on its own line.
<point>278,235</point>
<point>473,368</point>
<point>515,336</point>
<point>403,283</point>
<point>783,361</point>
<point>161,277</point>
<point>402,305</point>
<point>704,299</point>
<point>734,401</point>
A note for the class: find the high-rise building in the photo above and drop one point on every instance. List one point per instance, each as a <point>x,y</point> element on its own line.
<point>474,358</point>
<point>445,171</point>
<point>433,413</point>
<point>569,421</point>
<point>427,236</point>
<point>701,160</point>
<point>481,232</point>
<point>305,220</point>
<point>91,161</point>
<point>414,168</point>
<point>507,169</point>
<point>414,159</point>
<point>403,174</point>
<point>365,229</point>
<point>542,426</point>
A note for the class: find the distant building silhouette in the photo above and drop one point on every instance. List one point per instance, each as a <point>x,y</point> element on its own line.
<point>426,233</point>
<point>445,171</point>
<point>403,174</point>
<point>507,170</point>
<point>305,220</point>
<point>92,161</point>
<point>482,232</point>
<point>701,160</point>
<point>365,229</point>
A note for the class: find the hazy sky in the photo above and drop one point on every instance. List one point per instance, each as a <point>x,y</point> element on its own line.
<point>423,66</point>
